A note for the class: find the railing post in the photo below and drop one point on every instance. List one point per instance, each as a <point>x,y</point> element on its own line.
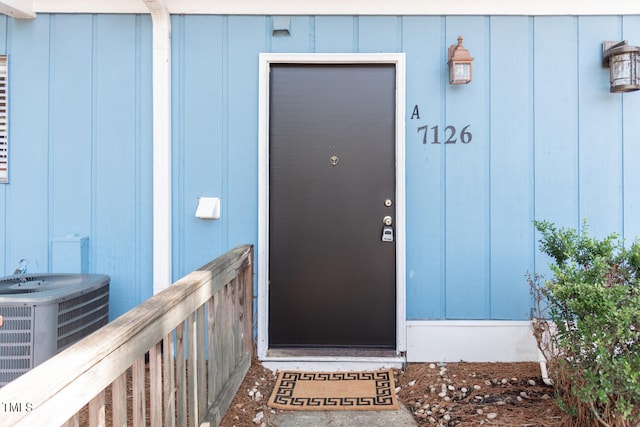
<point>155,384</point>
<point>169,381</point>
<point>192,372</point>
<point>139,407</point>
<point>248,304</point>
<point>201,373</point>
<point>119,401</point>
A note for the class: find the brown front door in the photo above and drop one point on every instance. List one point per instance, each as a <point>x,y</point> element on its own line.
<point>332,275</point>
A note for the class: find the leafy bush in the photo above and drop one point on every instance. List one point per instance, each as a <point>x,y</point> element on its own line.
<point>587,324</point>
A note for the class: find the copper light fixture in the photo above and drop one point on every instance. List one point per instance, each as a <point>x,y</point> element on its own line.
<point>624,66</point>
<point>459,64</point>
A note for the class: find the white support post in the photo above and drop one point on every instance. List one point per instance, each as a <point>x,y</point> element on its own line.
<point>161,19</point>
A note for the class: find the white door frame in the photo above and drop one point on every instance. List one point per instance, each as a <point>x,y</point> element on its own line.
<point>266,59</point>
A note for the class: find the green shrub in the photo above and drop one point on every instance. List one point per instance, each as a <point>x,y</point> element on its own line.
<point>587,324</point>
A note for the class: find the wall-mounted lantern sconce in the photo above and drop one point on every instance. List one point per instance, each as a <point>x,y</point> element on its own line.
<point>624,65</point>
<point>459,64</point>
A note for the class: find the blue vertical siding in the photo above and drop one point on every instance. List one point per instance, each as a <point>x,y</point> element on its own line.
<point>80,148</point>
<point>336,34</point>
<point>197,137</point>
<point>245,42</point>
<point>70,130</point>
<point>122,158</point>
<point>379,34</point>
<point>549,142</point>
<point>600,119</point>
<point>26,207</point>
<point>556,153</point>
<point>466,186</point>
<point>423,39</point>
<point>630,145</point>
<point>511,176</point>
<point>215,132</point>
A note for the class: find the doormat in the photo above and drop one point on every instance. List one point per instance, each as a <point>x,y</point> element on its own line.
<point>308,391</point>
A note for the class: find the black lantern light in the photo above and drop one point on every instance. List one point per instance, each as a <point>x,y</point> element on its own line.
<point>624,66</point>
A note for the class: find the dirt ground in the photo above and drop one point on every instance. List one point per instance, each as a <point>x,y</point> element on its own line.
<point>455,394</point>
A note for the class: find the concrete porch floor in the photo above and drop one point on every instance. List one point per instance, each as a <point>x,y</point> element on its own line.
<point>398,418</point>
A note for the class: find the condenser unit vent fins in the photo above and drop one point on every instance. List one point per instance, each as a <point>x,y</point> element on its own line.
<point>16,342</point>
<point>82,315</point>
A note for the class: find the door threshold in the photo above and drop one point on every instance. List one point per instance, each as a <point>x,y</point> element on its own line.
<point>331,351</point>
<point>332,359</point>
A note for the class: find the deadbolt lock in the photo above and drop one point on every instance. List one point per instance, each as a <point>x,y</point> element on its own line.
<point>387,220</point>
<point>388,203</point>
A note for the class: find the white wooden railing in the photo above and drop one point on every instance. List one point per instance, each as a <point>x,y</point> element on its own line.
<point>194,339</point>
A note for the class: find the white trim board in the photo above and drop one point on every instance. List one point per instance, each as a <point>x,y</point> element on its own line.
<point>332,364</point>
<point>470,341</point>
<point>263,184</point>
<point>344,7</point>
<point>162,219</point>
<point>17,8</point>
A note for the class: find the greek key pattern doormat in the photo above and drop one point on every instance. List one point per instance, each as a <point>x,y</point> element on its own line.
<point>307,391</point>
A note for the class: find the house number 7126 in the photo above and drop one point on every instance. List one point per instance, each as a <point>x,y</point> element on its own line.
<point>450,134</point>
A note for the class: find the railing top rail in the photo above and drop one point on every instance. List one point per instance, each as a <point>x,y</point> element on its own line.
<point>62,385</point>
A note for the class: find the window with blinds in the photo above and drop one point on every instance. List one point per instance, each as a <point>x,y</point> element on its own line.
<point>4,122</point>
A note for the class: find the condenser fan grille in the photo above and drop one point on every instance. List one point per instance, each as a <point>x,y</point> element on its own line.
<point>82,315</point>
<point>16,342</point>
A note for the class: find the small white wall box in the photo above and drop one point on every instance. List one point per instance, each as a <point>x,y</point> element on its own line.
<point>208,208</point>
<point>70,254</point>
<point>281,26</point>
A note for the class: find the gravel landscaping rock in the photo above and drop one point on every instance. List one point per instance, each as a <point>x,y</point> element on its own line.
<point>437,394</point>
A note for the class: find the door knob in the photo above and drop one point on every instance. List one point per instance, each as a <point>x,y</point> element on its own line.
<point>387,220</point>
